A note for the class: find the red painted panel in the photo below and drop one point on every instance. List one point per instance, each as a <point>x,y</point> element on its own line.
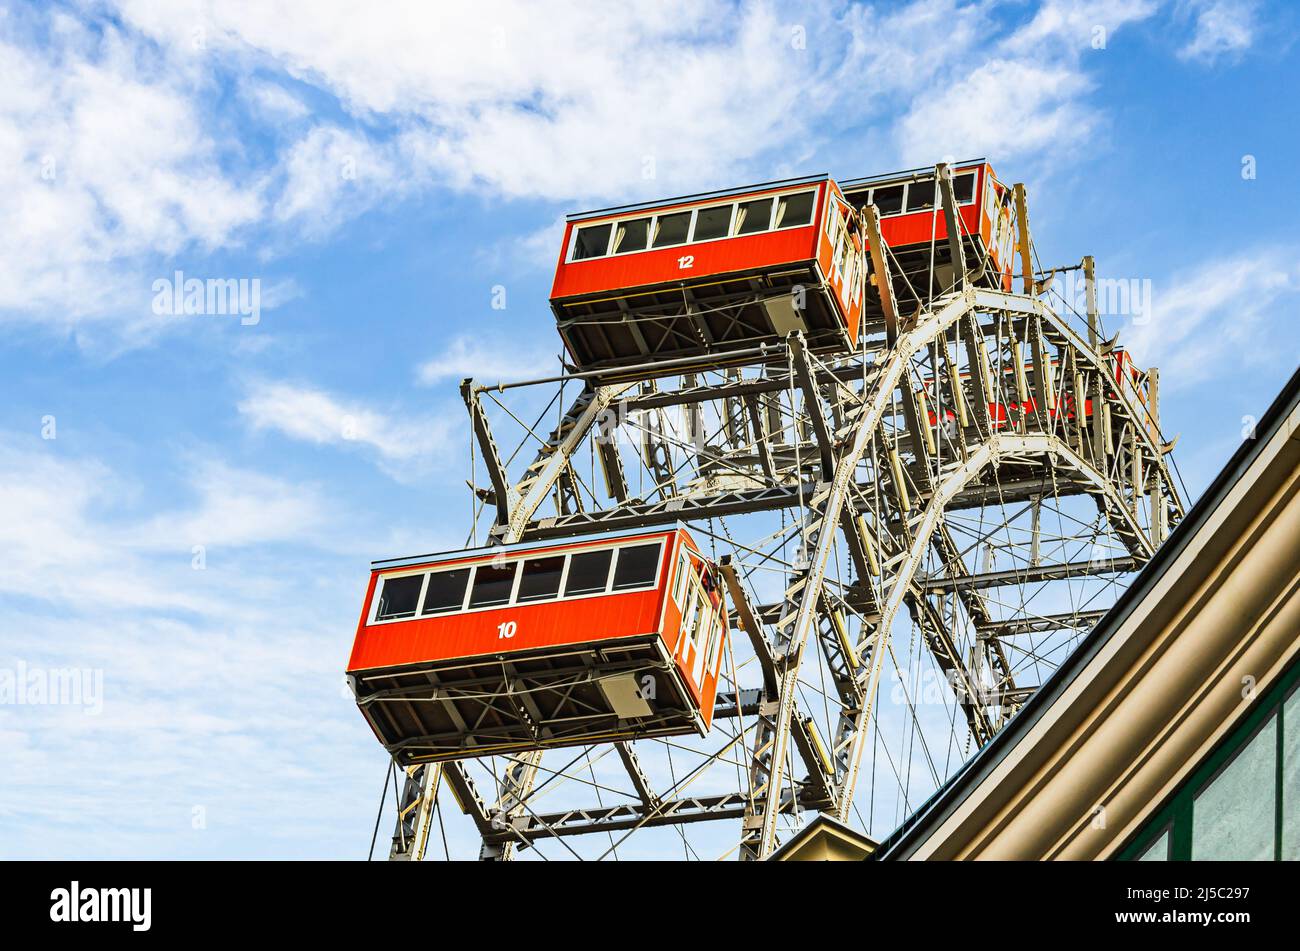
<point>900,231</point>
<point>710,258</point>
<point>547,624</point>
<point>476,633</point>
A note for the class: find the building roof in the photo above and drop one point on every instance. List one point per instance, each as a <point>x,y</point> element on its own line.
<point>823,839</point>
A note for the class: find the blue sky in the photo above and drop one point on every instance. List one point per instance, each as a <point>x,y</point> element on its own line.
<point>189,503</point>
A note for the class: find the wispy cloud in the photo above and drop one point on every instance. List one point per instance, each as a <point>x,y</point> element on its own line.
<point>1020,95</point>
<point>536,251</point>
<point>133,115</point>
<point>1220,317</point>
<point>1224,29</point>
<point>487,359</point>
<point>105,160</point>
<point>273,101</point>
<point>1005,108</point>
<point>220,674</point>
<point>404,443</point>
<point>79,545</point>
<point>502,96</point>
<point>331,175</point>
<point>1068,27</point>
<point>235,508</point>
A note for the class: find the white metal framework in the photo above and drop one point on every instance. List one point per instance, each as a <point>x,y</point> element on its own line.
<point>912,537</point>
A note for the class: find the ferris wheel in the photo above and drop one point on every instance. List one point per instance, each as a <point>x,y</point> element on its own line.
<point>817,504</point>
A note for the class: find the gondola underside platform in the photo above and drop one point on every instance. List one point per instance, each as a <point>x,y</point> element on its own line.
<point>527,700</point>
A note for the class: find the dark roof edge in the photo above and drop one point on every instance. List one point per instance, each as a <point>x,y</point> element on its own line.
<point>455,554</point>
<point>850,184</point>
<point>697,196</point>
<point>906,838</point>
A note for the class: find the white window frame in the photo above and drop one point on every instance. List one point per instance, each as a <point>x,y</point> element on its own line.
<point>703,628</point>
<point>379,592</point>
<point>567,554</point>
<point>559,591</point>
<point>812,218</point>
<point>974,194</point>
<point>690,231</point>
<point>680,579</point>
<point>691,616</point>
<point>464,598</point>
<point>613,235</point>
<point>715,629</point>
<point>715,666</point>
<point>609,573</point>
<point>654,226</point>
<point>613,569</point>
<point>771,215</point>
<point>573,240</point>
<point>974,189</point>
<point>837,233</point>
<point>731,220</point>
<point>469,588</point>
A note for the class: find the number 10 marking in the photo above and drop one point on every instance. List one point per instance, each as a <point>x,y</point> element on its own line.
<point>506,630</point>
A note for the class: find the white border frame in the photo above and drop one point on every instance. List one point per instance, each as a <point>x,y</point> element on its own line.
<point>374,621</point>
<point>871,194</point>
<point>694,211</point>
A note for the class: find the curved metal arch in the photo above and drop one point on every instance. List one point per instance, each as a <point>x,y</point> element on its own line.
<point>1093,357</point>
<point>945,313</point>
<point>986,456</point>
<point>790,646</point>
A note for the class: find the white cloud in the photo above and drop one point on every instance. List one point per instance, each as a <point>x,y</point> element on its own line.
<point>898,50</point>
<point>118,147</point>
<point>537,250</point>
<point>66,551</point>
<point>1224,28</point>
<point>1066,26</point>
<point>235,508</point>
<point>546,100</point>
<point>275,102</point>
<point>222,696</point>
<point>1021,96</point>
<point>332,175</point>
<point>488,361</point>
<point>1004,108</point>
<point>105,158</point>
<point>280,292</point>
<point>1221,317</point>
<point>507,99</point>
<point>404,443</point>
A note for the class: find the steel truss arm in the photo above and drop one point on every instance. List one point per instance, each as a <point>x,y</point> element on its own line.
<point>888,520</point>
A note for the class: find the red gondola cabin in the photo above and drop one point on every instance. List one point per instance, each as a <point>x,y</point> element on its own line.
<point>710,274</point>
<point>911,220</point>
<point>525,647</point>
